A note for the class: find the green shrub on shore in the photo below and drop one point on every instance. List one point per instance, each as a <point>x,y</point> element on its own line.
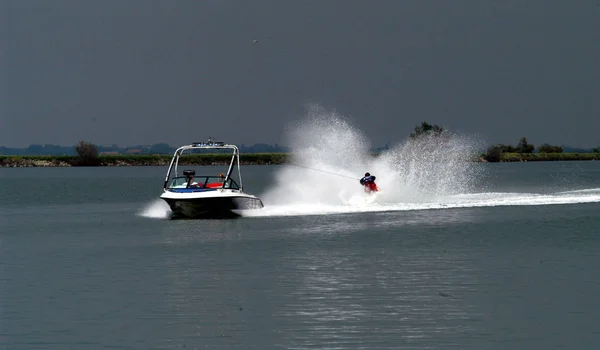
<point>494,154</point>
<point>426,129</point>
<point>134,160</point>
<point>546,148</point>
<point>87,154</point>
<point>524,146</point>
<point>534,157</point>
<point>36,161</point>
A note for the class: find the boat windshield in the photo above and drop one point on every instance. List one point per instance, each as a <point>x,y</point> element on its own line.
<point>202,182</point>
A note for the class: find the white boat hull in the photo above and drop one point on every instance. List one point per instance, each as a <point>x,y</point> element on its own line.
<point>210,204</point>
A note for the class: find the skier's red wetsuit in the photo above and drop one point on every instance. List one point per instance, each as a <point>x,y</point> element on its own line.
<point>369,182</point>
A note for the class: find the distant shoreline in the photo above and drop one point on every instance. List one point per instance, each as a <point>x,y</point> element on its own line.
<point>547,157</point>
<point>140,160</point>
<point>245,159</point>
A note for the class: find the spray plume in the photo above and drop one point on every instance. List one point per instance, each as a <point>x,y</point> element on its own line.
<point>330,155</point>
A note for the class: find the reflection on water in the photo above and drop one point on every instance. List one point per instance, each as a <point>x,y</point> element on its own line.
<point>354,293</point>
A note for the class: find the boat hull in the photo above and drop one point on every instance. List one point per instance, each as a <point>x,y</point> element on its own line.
<point>211,207</point>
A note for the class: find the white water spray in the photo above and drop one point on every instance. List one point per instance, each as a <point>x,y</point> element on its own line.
<point>158,209</point>
<point>330,155</point>
<point>432,167</point>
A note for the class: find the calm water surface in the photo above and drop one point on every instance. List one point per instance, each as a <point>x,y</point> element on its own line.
<point>80,268</point>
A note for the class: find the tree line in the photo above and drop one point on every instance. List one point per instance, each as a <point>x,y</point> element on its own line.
<point>157,148</point>
<point>493,153</point>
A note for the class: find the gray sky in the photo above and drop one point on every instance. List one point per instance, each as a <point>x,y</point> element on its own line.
<point>149,71</point>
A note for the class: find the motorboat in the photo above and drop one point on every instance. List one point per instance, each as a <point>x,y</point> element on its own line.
<point>207,196</point>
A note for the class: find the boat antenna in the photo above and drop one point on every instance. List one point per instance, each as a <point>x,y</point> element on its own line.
<point>323,171</point>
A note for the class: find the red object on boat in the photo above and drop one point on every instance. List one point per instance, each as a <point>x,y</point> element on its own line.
<point>214,185</point>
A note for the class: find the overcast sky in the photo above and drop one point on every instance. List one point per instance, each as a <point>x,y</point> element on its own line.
<point>149,71</point>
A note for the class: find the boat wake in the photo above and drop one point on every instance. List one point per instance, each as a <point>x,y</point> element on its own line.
<point>491,199</point>
<point>329,156</point>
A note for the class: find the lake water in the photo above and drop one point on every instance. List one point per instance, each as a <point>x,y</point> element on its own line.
<point>89,260</point>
